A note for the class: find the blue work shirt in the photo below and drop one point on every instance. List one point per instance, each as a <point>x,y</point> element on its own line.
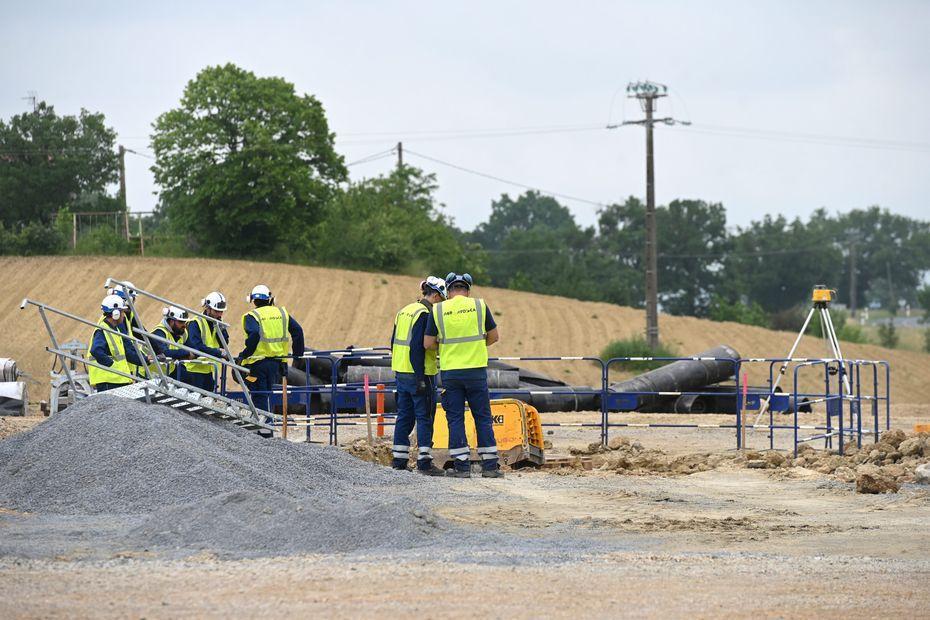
<point>462,373</point>
<point>100,349</point>
<point>252,336</point>
<point>417,352</point>
<point>195,339</point>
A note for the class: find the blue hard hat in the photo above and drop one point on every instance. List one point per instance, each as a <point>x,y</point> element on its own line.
<point>455,278</point>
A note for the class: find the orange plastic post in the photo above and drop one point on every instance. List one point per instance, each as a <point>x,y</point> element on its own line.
<point>379,408</point>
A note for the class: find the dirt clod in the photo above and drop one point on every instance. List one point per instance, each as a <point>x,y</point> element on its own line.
<point>875,483</point>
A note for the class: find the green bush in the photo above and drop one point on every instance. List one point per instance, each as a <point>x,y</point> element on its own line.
<point>33,240</point>
<point>722,309</point>
<point>888,335</point>
<point>103,241</point>
<point>636,347</point>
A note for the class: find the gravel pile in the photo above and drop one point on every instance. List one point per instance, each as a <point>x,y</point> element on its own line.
<point>166,479</point>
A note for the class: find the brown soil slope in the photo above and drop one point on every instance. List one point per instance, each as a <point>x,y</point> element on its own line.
<point>339,307</point>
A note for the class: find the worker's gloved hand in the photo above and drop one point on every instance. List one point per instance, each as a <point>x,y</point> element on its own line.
<point>422,387</point>
<point>162,358</point>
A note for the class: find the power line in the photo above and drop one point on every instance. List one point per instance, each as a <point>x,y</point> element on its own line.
<point>372,157</point>
<point>806,138</point>
<point>493,130</point>
<point>506,181</point>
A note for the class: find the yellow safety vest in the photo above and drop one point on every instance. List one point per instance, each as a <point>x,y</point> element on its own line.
<point>400,352</point>
<point>272,333</point>
<point>210,339</point>
<point>460,322</point>
<point>117,350</point>
<point>167,333</point>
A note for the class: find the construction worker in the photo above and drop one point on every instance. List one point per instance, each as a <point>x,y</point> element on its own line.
<point>110,350</point>
<point>126,293</point>
<point>415,369</point>
<point>202,335</point>
<point>267,328</point>
<point>464,329</point>
<point>173,327</point>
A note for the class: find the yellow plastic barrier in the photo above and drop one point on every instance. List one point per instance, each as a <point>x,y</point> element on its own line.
<point>517,429</point>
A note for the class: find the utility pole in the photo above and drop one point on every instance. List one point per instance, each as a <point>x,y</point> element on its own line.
<point>852,278</point>
<point>32,98</point>
<point>122,187</point>
<point>648,93</point>
<point>400,156</point>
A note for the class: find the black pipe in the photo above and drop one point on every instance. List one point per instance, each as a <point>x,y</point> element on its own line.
<point>680,376</point>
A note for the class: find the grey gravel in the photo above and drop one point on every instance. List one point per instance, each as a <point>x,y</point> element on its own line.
<point>109,475</point>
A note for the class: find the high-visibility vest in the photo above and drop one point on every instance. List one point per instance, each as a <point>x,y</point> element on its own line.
<point>400,352</point>
<point>272,333</point>
<point>460,322</point>
<point>117,350</point>
<point>167,333</point>
<point>210,339</point>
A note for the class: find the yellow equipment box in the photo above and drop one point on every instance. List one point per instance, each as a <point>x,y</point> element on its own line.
<point>517,429</point>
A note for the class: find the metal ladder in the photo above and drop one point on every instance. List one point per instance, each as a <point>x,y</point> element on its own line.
<point>163,389</point>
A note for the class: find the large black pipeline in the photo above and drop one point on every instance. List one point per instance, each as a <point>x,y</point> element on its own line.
<point>680,376</point>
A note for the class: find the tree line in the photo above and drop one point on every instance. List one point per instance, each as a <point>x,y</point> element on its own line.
<point>247,168</point>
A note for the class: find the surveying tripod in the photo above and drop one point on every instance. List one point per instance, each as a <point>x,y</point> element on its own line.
<point>821,297</point>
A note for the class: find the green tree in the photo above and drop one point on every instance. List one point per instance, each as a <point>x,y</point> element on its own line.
<point>776,263</point>
<point>888,334</point>
<point>246,165</point>
<point>534,244</point>
<point>885,244</point>
<point>923,299</point>
<point>692,243</point>
<point>48,161</point>
<point>393,223</point>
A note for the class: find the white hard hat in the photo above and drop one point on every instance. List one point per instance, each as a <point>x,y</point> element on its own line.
<point>260,292</point>
<point>123,291</point>
<point>175,313</point>
<point>215,301</point>
<point>113,305</point>
<point>433,283</point>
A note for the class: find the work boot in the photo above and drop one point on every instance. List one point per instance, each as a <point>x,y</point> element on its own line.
<point>454,473</point>
<point>400,468</point>
<point>431,471</point>
<point>492,473</point>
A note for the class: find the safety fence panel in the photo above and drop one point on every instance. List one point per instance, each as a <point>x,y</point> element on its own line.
<point>341,402</point>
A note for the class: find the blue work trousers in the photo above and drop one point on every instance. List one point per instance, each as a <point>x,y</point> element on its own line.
<point>455,392</point>
<point>267,374</point>
<point>413,408</point>
<point>202,380</point>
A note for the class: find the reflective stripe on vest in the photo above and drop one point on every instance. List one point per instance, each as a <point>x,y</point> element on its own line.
<point>273,337</point>
<point>116,347</point>
<point>403,328</point>
<point>462,334</point>
<point>210,339</point>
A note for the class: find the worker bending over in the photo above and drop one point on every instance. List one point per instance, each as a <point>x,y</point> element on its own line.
<point>267,328</point>
<point>415,369</point>
<point>110,350</point>
<point>202,335</point>
<point>173,327</point>
<point>464,329</point>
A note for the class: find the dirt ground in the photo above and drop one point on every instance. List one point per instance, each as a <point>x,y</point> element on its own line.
<point>730,542</point>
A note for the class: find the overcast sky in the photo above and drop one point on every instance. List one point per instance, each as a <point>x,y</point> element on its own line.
<point>804,77</point>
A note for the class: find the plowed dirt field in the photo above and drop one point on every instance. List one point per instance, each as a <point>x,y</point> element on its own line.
<point>338,307</point>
